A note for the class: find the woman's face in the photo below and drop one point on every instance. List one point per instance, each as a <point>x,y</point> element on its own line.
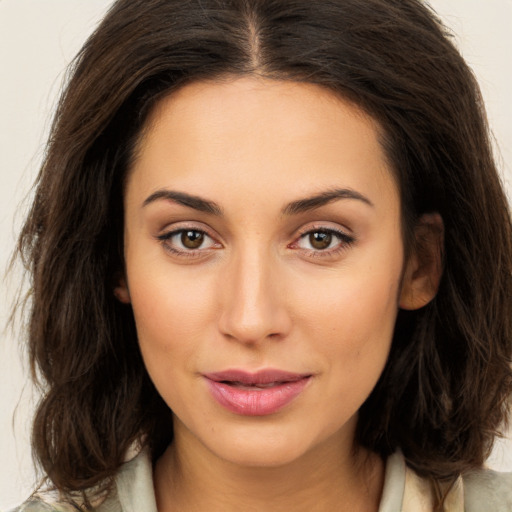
<point>263,263</point>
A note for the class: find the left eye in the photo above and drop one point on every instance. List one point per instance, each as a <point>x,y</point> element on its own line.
<point>188,240</point>
<point>322,240</point>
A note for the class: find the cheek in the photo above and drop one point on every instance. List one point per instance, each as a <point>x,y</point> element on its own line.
<point>173,313</point>
<point>352,319</point>
<point>364,301</point>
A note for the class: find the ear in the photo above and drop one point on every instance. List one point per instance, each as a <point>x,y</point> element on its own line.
<point>423,268</point>
<point>121,292</point>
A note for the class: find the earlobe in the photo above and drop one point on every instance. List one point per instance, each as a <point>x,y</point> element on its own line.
<point>423,268</point>
<point>121,292</point>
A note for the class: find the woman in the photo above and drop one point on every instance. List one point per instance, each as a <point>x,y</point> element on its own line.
<point>271,262</point>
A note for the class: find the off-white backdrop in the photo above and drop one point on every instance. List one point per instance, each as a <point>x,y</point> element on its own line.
<point>38,38</point>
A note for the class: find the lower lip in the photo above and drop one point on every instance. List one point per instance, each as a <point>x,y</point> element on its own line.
<point>257,402</point>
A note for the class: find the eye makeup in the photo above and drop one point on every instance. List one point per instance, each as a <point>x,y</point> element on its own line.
<point>318,241</point>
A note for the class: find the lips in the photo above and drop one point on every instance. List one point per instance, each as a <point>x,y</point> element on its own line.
<point>255,394</point>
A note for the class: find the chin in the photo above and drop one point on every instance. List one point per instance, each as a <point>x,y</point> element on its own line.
<point>266,446</point>
<point>262,455</point>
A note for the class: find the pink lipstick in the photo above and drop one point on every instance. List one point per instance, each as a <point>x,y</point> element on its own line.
<point>255,394</point>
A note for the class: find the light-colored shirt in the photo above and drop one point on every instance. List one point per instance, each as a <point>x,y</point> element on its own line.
<point>404,491</point>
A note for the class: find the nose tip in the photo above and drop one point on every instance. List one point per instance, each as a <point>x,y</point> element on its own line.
<point>252,326</point>
<point>254,305</point>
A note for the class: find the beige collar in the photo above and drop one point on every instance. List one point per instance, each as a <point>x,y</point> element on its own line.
<point>405,491</point>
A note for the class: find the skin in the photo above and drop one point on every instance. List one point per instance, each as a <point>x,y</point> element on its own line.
<point>259,292</point>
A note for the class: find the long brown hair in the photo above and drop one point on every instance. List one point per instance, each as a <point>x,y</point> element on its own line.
<point>445,389</point>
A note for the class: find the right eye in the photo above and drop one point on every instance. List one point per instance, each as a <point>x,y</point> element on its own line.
<point>187,242</point>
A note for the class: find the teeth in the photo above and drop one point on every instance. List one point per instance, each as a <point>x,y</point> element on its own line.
<point>252,386</point>
<point>269,385</point>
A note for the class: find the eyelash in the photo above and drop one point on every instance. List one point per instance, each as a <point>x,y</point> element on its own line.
<point>165,239</point>
<point>344,242</point>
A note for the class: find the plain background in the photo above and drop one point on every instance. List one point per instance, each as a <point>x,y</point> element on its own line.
<point>38,38</point>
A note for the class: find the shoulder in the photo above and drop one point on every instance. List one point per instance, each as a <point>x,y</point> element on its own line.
<point>476,491</point>
<point>132,492</point>
<point>44,504</point>
<point>40,505</point>
<point>488,490</point>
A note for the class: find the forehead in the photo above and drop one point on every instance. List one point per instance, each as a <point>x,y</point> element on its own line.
<point>273,137</point>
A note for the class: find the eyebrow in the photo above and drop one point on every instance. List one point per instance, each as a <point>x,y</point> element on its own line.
<point>318,200</point>
<point>189,200</point>
<point>293,208</point>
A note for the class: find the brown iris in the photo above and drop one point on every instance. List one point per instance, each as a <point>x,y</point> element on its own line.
<point>192,239</point>
<point>320,239</point>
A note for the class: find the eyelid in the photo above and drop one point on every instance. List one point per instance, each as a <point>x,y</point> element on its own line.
<point>175,229</point>
<point>171,234</point>
<point>345,239</point>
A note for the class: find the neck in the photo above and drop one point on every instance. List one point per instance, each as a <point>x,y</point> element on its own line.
<point>197,480</point>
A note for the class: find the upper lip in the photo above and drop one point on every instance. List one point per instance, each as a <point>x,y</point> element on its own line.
<point>266,376</point>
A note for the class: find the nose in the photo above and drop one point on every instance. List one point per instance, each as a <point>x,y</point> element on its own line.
<point>253,300</point>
